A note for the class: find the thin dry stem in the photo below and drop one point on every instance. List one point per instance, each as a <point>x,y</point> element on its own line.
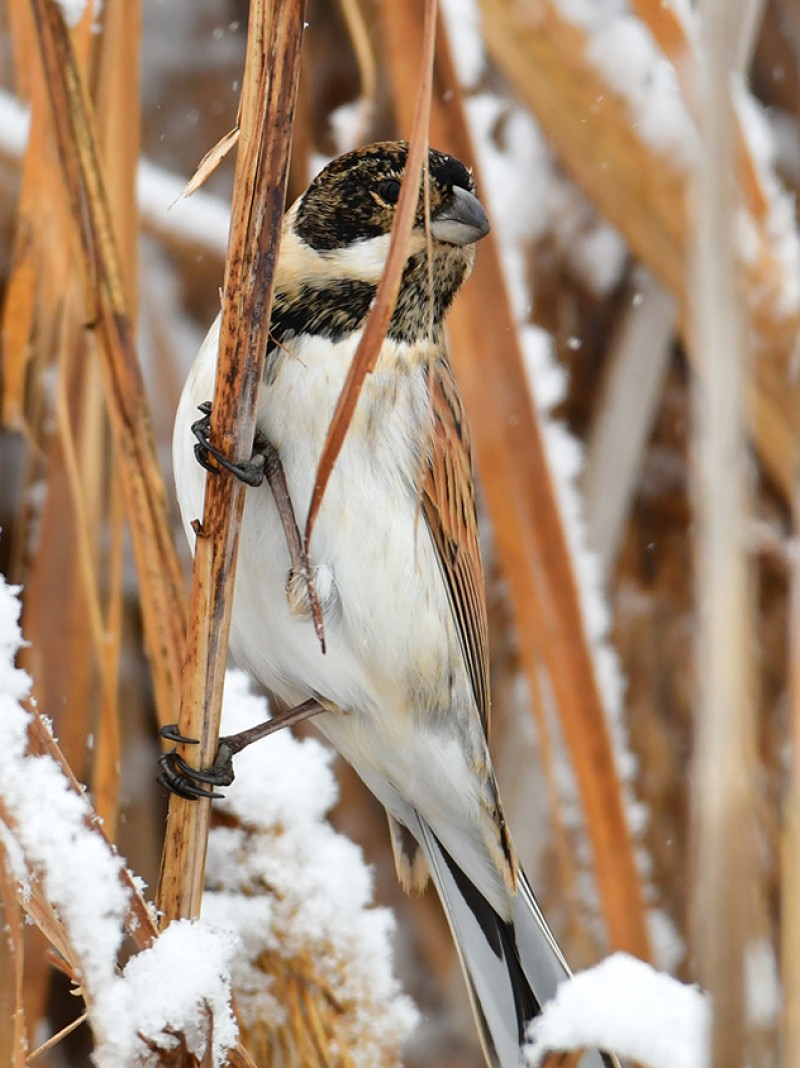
<point>369,347</point>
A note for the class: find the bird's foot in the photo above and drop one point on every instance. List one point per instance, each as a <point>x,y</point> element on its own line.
<point>182,779</point>
<point>252,472</point>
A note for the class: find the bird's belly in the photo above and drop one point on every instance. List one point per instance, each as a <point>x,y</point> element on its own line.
<point>392,667</point>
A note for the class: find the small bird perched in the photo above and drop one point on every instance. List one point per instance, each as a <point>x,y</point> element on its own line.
<point>402,687</point>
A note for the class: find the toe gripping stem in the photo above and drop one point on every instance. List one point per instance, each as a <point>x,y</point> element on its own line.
<point>182,779</point>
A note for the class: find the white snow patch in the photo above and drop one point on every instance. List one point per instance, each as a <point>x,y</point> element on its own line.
<point>51,835</point>
<point>626,1006</point>
<point>542,368</point>
<point>592,14</point>
<point>79,872</point>
<point>180,984</point>
<point>14,125</point>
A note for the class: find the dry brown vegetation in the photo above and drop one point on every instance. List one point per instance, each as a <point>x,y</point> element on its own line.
<point>100,312</point>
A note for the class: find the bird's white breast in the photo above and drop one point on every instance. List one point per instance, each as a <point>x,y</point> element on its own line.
<point>393,664</point>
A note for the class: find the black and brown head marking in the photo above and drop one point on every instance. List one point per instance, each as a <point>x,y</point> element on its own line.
<point>355,196</point>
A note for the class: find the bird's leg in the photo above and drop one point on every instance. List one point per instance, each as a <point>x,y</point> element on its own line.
<point>264,463</point>
<point>182,779</point>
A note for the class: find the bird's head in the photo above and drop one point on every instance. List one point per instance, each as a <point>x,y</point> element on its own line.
<point>339,230</point>
<point>354,199</point>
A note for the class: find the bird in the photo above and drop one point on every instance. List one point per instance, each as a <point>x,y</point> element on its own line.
<point>394,570</point>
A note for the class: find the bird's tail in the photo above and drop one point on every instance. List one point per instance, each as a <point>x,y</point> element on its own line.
<point>512,967</point>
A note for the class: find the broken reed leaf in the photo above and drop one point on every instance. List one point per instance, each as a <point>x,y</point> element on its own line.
<point>210,161</point>
<point>369,347</point>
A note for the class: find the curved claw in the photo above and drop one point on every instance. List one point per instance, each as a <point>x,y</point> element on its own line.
<point>178,782</point>
<point>183,788</point>
<point>170,732</point>
<point>220,773</point>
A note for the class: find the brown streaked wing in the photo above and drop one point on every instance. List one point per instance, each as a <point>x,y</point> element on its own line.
<point>448,504</point>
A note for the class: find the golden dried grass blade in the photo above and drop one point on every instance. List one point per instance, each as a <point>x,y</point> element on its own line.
<point>157,563</point>
<point>377,324</point>
<point>16,330</point>
<point>268,100</point>
<point>59,1037</point>
<point>61,657</point>
<point>38,212</point>
<point>238,1057</point>
<point>526,519</point>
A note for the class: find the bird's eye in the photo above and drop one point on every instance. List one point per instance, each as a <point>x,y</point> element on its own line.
<point>389,190</point>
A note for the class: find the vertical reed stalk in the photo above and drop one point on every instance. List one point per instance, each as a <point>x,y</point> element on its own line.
<point>269,91</point>
<point>723,787</point>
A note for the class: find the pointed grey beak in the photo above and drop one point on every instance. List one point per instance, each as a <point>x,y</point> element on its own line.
<point>461,222</point>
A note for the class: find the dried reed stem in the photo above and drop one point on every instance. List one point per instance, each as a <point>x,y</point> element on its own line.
<point>267,108</point>
<point>723,785</point>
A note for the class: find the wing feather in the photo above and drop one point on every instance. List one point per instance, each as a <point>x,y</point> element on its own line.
<point>448,504</point>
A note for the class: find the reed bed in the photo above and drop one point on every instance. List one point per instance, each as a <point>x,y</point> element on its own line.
<point>659,815</point>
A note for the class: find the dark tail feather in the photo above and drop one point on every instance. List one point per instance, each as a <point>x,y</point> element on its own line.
<point>512,967</point>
